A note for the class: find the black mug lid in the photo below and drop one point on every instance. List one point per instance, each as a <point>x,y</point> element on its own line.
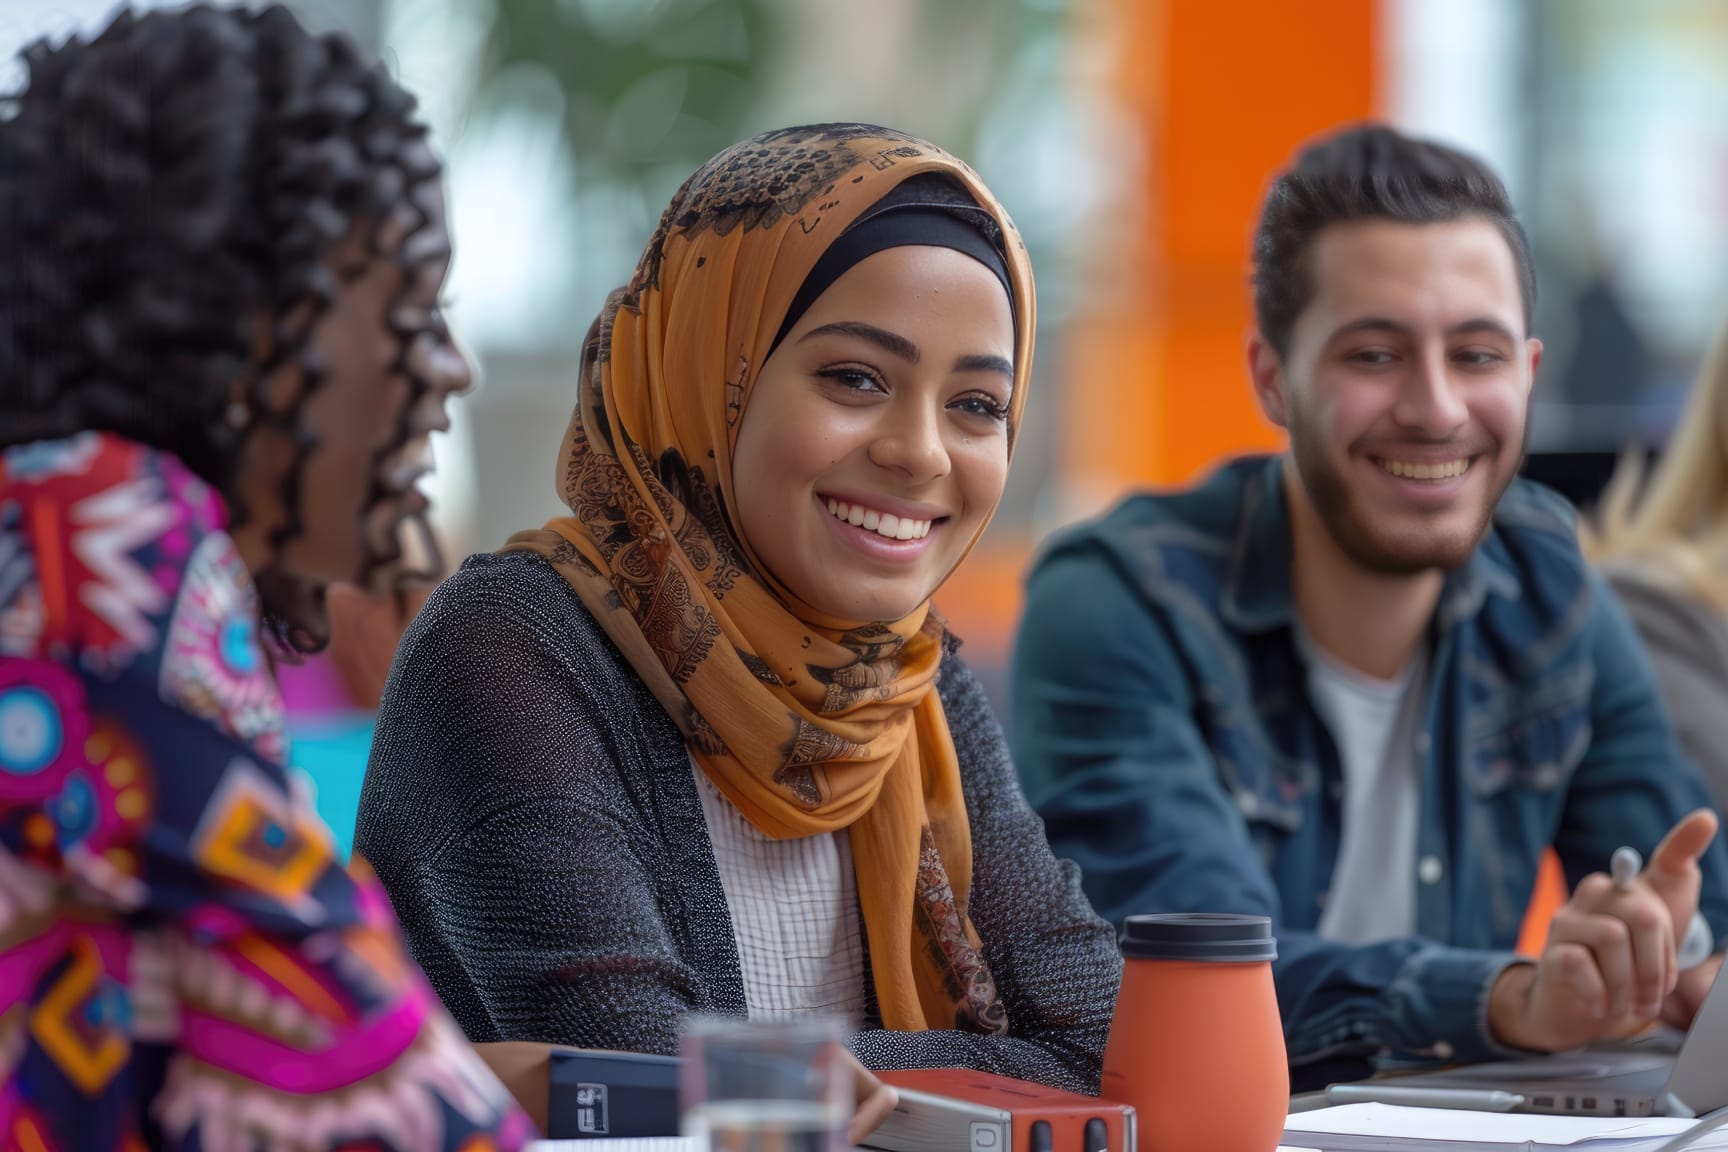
<point>1199,936</point>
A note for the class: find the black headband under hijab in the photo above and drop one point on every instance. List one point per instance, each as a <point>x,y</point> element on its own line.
<point>920,211</point>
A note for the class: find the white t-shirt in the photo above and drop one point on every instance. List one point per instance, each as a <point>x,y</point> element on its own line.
<point>1374,723</point>
<point>795,915</point>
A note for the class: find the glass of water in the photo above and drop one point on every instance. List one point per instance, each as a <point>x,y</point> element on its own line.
<point>765,1085</point>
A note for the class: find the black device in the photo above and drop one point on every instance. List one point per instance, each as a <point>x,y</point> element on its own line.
<point>596,1095</point>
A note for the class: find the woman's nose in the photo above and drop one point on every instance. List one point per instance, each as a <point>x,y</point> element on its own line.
<point>441,363</point>
<point>909,441</point>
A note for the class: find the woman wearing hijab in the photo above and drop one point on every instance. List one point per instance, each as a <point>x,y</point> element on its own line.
<point>220,355</point>
<point>704,745</point>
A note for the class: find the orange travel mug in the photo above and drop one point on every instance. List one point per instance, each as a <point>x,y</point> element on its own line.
<point>1197,1045</point>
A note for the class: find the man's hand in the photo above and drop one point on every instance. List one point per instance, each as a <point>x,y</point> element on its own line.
<point>1673,870</point>
<point>1608,967</point>
<point>1678,884</point>
<point>872,1100</point>
<point>1688,995</point>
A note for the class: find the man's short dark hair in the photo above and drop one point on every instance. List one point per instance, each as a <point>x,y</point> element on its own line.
<point>1369,172</point>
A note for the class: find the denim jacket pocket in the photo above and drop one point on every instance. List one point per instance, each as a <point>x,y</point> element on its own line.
<point>1535,746</point>
<point>1268,788</point>
<point>1261,806</point>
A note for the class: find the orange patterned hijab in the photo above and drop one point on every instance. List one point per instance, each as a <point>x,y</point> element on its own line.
<point>806,724</point>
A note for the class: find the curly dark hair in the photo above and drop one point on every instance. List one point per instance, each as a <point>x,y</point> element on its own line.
<point>1369,172</point>
<point>164,187</point>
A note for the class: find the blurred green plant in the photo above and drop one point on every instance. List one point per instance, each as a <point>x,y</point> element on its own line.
<point>649,87</point>
<point>643,91</point>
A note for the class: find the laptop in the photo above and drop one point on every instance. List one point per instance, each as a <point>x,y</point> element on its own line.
<point>1629,1079</point>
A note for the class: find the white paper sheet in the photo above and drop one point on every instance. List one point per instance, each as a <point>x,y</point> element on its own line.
<point>1385,1126</point>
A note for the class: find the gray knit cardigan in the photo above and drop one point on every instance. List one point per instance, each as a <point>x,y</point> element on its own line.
<point>531,810</point>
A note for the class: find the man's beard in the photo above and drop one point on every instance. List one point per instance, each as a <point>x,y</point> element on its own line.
<point>1388,554</point>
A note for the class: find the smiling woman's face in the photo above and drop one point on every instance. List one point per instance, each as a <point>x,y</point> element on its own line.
<point>874,447</point>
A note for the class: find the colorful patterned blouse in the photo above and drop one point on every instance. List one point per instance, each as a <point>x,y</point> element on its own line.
<point>183,962</point>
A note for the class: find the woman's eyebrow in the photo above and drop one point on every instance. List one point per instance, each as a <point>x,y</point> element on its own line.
<point>985,362</point>
<point>888,341</point>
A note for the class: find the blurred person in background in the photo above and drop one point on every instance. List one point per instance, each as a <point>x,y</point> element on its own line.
<point>703,745</point>
<point>220,359</point>
<point>1361,686</point>
<point>1663,544</point>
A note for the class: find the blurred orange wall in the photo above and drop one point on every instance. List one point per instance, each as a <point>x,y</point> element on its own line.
<point>1153,388</point>
<point>1223,93</point>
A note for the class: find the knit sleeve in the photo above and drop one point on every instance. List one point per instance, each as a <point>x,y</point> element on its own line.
<point>1054,960</point>
<point>502,813</point>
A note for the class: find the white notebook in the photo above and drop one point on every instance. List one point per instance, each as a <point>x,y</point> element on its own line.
<point>673,1144</point>
<point>1388,1128</point>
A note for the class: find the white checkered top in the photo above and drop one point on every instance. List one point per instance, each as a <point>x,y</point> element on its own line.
<point>794,908</point>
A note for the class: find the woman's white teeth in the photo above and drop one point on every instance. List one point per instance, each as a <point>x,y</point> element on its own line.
<point>882,523</point>
<point>1410,471</point>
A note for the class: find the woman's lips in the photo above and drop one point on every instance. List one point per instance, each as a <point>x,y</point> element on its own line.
<point>872,541</point>
<point>885,524</point>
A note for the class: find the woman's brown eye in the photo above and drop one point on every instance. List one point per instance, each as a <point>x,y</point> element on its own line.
<point>855,379</point>
<point>983,406</point>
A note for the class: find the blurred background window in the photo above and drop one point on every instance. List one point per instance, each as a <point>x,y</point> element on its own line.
<point>1627,146</point>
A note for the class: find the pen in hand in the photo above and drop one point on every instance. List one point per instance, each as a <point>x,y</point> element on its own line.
<point>1624,867</point>
<point>1695,946</point>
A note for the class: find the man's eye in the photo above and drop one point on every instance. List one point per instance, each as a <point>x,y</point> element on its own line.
<point>1371,357</point>
<point>1480,359</point>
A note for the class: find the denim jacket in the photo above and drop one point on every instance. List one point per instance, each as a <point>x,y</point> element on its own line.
<point>1164,731</point>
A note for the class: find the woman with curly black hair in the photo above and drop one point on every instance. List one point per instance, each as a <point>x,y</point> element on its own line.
<point>220,359</point>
